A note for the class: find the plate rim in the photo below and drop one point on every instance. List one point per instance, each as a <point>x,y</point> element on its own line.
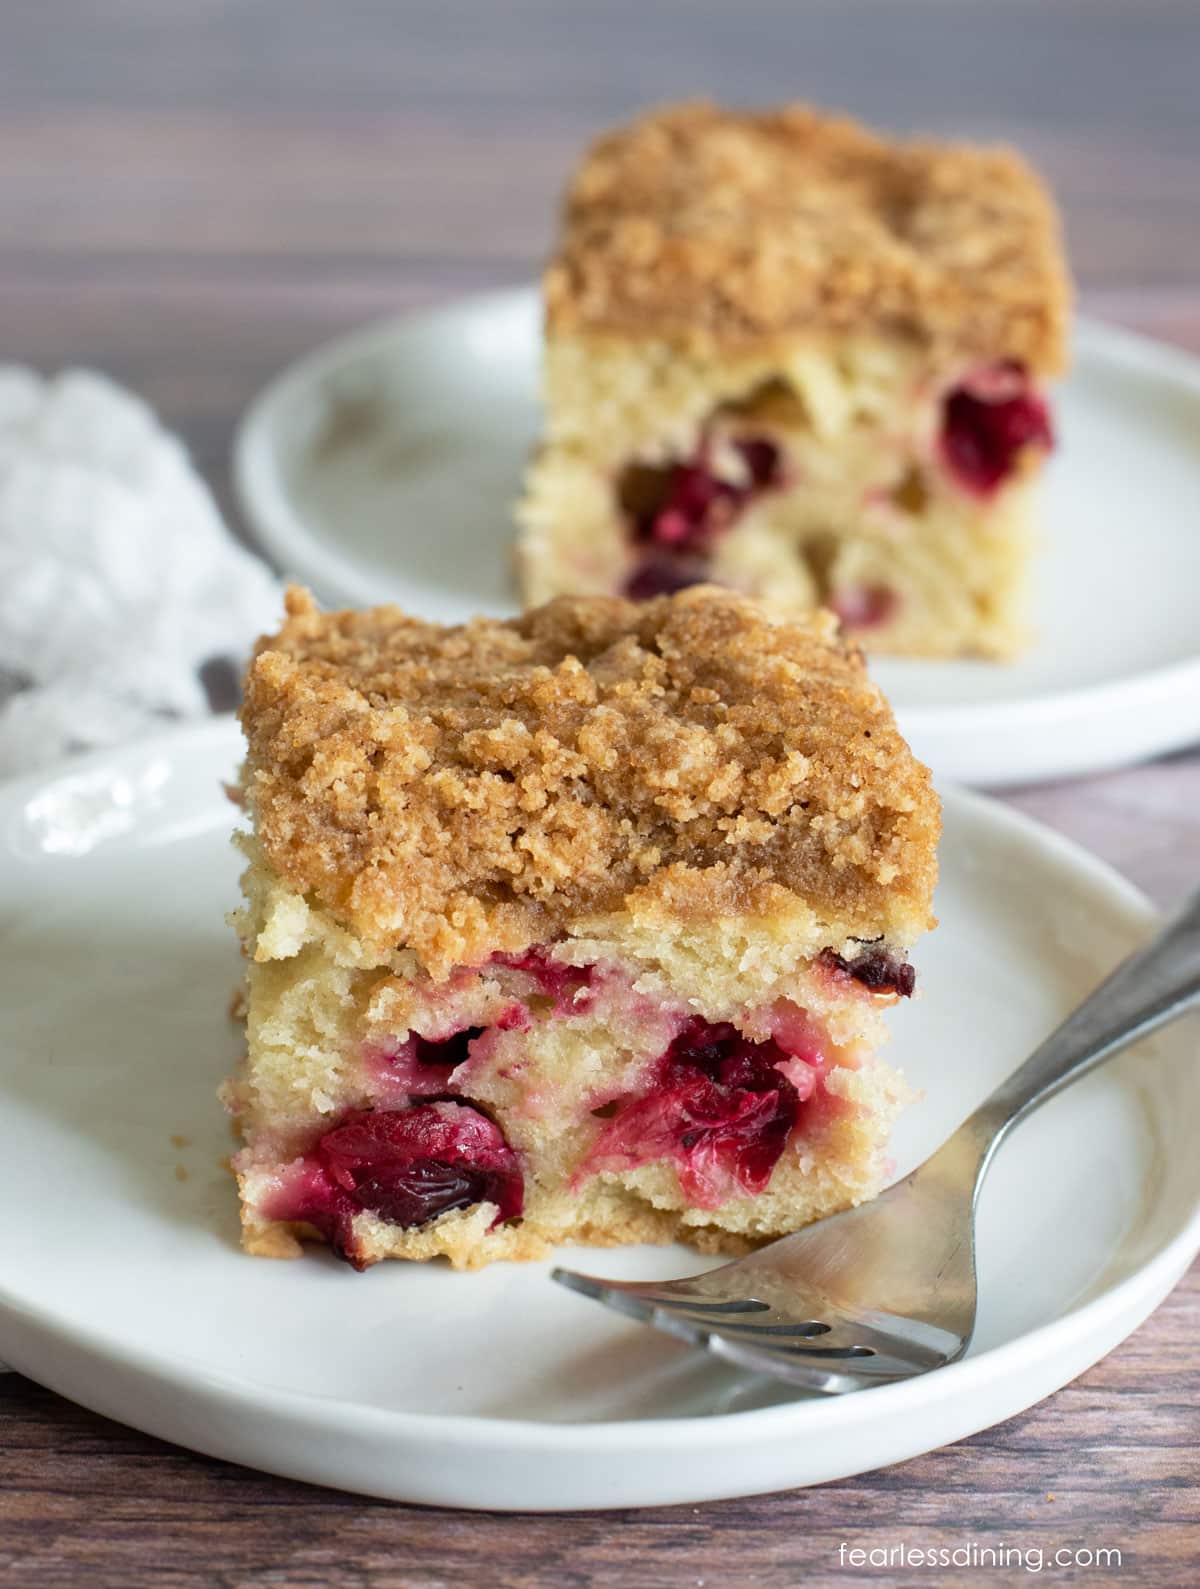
<point>1151,1279</point>
<point>281,531</point>
<point>257,486</point>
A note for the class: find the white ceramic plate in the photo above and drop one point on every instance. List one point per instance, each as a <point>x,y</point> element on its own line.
<point>383,468</point>
<point>122,1286</point>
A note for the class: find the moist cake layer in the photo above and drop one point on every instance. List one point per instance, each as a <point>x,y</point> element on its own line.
<point>612,1086</point>
<point>859,478</point>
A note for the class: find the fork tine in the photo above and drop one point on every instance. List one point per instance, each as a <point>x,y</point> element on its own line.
<point>622,1300</point>
<point>797,1359</point>
<point>808,1329</point>
<point>804,1369</point>
<point>831,1376</point>
<point>670,1293</point>
<point>822,1378</point>
<point>731,1329</point>
<point>925,1342</point>
<point>842,1335</point>
<point>755,1317</point>
<point>717,1309</point>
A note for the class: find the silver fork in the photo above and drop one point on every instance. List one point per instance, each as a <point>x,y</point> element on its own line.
<point>887,1290</point>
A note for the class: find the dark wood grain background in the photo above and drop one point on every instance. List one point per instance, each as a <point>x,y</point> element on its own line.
<point>193,194</point>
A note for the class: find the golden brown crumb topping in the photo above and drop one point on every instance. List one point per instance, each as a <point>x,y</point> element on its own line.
<point>463,790</point>
<point>704,224</point>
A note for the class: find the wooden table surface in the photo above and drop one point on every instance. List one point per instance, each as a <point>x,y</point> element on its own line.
<point>193,195</point>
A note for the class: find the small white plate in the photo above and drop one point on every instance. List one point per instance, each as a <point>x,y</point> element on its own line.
<point>122,1286</point>
<point>384,468</point>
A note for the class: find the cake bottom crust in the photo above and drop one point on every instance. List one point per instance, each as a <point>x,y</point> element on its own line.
<point>463,1238</point>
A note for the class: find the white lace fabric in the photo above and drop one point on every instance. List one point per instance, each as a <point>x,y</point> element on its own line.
<point>118,577</point>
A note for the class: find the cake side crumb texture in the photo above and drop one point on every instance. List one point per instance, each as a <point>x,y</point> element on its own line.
<point>465,790</point>
<point>725,227</point>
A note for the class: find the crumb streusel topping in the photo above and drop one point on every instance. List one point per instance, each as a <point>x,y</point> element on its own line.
<point>703,224</point>
<point>462,790</point>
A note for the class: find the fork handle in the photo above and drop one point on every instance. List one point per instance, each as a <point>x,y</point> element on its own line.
<point>1156,984</point>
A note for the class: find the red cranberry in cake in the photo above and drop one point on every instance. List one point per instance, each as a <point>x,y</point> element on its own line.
<point>663,576</point>
<point>687,505</point>
<point>841,401</point>
<point>406,1167</point>
<point>864,606</point>
<point>567,986</point>
<point>579,926</point>
<point>989,424</point>
<point>680,512</point>
<point>717,1108</point>
<point>876,968</point>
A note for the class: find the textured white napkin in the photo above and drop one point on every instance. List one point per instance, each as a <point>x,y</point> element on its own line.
<point>118,578</point>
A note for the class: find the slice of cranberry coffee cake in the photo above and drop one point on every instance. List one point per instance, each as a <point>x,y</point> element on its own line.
<point>578,926</point>
<point>800,360</point>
